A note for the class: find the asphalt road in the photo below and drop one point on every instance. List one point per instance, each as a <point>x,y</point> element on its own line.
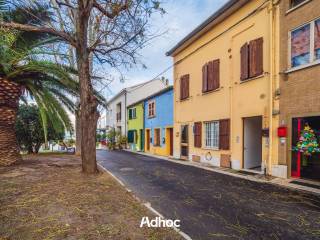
<point>211,205</point>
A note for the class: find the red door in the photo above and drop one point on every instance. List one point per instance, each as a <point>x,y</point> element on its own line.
<point>171,141</point>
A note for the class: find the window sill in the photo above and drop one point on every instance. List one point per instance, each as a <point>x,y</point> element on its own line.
<point>211,91</point>
<point>302,67</point>
<point>149,117</point>
<point>211,149</point>
<point>251,79</point>
<point>298,6</point>
<point>185,99</point>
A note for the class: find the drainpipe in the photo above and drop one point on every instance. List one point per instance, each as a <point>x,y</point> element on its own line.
<point>272,77</point>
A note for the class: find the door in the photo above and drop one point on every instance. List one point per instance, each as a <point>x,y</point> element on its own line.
<point>141,140</point>
<point>184,142</point>
<point>303,166</point>
<point>252,143</point>
<point>171,141</point>
<point>148,140</point>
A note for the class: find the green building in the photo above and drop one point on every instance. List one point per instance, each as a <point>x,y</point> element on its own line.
<point>136,126</point>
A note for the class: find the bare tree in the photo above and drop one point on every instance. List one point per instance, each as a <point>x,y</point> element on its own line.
<point>121,30</point>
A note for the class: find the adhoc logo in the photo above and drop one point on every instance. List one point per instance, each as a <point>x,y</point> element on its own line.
<point>158,223</point>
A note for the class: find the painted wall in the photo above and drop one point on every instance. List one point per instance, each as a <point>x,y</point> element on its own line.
<point>136,124</point>
<point>128,97</point>
<point>163,119</point>
<point>234,100</point>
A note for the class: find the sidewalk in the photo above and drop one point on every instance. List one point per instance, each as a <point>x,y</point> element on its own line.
<point>240,174</point>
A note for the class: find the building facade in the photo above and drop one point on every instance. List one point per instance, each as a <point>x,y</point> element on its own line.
<point>300,83</point>
<point>116,113</point>
<point>225,79</point>
<point>136,127</point>
<point>158,123</point>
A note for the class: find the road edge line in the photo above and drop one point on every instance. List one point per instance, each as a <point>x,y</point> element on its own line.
<point>146,204</point>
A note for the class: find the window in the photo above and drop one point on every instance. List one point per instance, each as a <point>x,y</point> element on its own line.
<point>132,113</point>
<point>211,76</point>
<point>184,134</point>
<point>184,87</point>
<point>156,137</point>
<point>305,44</point>
<point>295,3</point>
<point>212,134</point>
<point>151,109</point>
<point>252,59</point>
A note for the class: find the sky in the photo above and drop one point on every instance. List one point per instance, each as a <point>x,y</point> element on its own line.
<point>181,17</point>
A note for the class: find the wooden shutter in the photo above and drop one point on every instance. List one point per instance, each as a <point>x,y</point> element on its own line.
<point>216,74</point>
<point>256,57</point>
<point>198,134</point>
<point>224,134</point>
<point>187,86</point>
<point>210,76</point>
<point>184,87</point>
<point>244,52</point>
<point>205,78</point>
<point>181,88</point>
<point>259,55</point>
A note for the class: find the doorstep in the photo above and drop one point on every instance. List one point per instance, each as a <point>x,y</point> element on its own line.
<point>248,175</point>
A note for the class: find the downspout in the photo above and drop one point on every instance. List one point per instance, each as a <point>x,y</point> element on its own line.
<point>272,78</point>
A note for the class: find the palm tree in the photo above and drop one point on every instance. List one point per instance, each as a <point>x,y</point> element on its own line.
<point>25,73</point>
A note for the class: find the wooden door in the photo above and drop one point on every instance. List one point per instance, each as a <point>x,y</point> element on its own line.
<point>171,141</point>
<point>148,140</point>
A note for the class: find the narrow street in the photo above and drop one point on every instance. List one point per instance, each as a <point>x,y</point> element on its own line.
<point>211,205</point>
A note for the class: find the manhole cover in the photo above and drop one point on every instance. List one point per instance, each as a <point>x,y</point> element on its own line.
<point>126,169</point>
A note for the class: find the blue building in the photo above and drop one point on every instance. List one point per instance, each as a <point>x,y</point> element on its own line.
<point>158,123</point>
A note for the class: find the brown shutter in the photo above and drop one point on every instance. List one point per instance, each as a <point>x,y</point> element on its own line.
<point>181,87</point>
<point>244,52</point>
<point>205,78</point>
<point>197,134</point>
<point>210,76</point>
<point>187,86</point>
<point>224,134</point>
<point>216,74</point>
<point>256,57</point>
<point>259,55</point>
<point>252,58</point>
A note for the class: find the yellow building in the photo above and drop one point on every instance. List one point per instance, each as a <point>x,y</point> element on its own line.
<point>226,85</point>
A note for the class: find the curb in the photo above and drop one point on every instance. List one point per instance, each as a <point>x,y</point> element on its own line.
<point>277,181</point>
<point>146,204</point>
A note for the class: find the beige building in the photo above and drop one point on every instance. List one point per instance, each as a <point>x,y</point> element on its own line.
<point>225,80</point>
<point>300,82</point>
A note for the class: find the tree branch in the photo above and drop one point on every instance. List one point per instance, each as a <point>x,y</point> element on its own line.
<point>29,28</point>
<point>115,11</point>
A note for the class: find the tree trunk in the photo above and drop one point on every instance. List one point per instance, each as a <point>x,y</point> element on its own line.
<point>9,99</point>
<point>88,102</point>
<point>78,132</point>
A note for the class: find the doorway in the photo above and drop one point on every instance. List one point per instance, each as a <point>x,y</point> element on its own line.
<point>141,140</point>
<point>307,167</point>
<point>184,142</point>
<point>171,141</point>
<point>148,140</point>
<point>252,143</point>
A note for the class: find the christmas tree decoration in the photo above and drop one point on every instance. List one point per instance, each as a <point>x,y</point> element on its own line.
<point>308,142</point>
